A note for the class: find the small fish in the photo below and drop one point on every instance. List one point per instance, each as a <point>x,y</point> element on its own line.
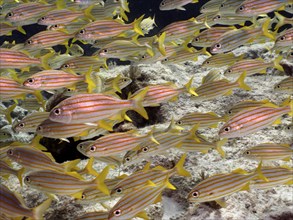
<point>100,215</point>
<point>252,66</point>
<point>285,40</point>
<point>5,136</point>
<point>157,94</point>
<point>181,56</point>
<point>6,170</point>
<point>52,129</point>
<point>246,104</point>
<point>13,59</point>
<point>212,90</point>
<point>219,60</point>
<point>6,29</point>
<point>256,7</point>
<point>13,206</point>
<point>86,108</point>
<point>254,119</point>
<point>269,152</point>
<point>207,37</point>
<point>27,13</point>
<point>116,143</point>
<point>34,159</point>
<point>59,16</point>
<point>132,204</point>
<point>51,79</point>
<point>229,6</point>
<point>228,19</point>
<point>157,175</point>
<point>70,28</point>
<point>10,89</point>
<point>218,186</point>
<point>276,176</point>
<point>285,86</point>
<point>102,29</point>
<point>211,6</point>
<point>148,24</point>
<point>47,39</point>
<point>115,84</point>
<point>63,184</point>
<point>82,64</point>
<point>190,144</point>
<point>209,119</point>
<point>30,122</point>
<point>167,5</point>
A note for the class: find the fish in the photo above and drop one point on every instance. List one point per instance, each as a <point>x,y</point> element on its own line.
<point>70,28</point>
<point>32,104</point>
<point>120,49</point>
<point>269,152</point>
<point>6,170</point>
<point>59,16</point>
<point>285,86</point>
<point>252,66</point>
<point>27,13</point>
<point>213,75</point>
<point>157,94</point>
<point>148,24</point>
<point>157,175</point>
<point>289,7</point>
<point>13,206</point>
<point>5,136</point>
<point>132,204</point>
<point>244,105</point>
<point>6,29</point>
<point>235,38</point>
<point>254,119</point>
<point>216,187</point>
<point>64,184</point>
<point>99,215</point>
<point>115,84</point>
<point>30,122</point>
<point>219,60</point>
<point>57,130</point>
<point>181,56</point>
<point>207,37</point>
<point>211,6</point>
<point>285,39</point>
<point>51,79</point>
<point>47,39</point>
<point>116,143</point>
<point>208,119</point>
<point>13,59</point>
<point>228,19</point>
<point>229,6</point>
<point>256,7</point>
<point>102,29</point>
<point>86,108</point>
<point>10,89</point>
<point>212,90</point>
<point>33,159</point>
<point>167,5</point>
<point>82,64</point>
<point>276,176</point>
<point>190,144</point>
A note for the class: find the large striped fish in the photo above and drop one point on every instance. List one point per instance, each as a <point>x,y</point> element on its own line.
<point>13,207</point>
<point>83,108</point>
<point>254,119</point>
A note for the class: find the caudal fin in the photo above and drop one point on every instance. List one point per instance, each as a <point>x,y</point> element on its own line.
<point>241,82</point>
<point>180,167</point>
<point>137,101</point>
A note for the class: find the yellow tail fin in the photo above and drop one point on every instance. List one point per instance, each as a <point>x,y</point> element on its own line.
<point>241,82</point>
<point>180,167</point>
<point>137,103</point>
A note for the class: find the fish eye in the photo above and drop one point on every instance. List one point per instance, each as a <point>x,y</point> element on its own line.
<point>80,146</point>
<point>10,14</point>
<point>217,17</point>
<point>196,39</point>
<point>247,152</point>
<point>229,71</point>
<point>218,45</point>
<point>208,62</point>
<point>66,66</point>
<point>145,149</point>
<point>83,196</point>
<point>229,112</point>
<point>222,5</point>
<point>227,129</point>
<point>143,56</point>
<point>39,128</point>
<point>118,190</point>
<point>179,122</point>
<point>283,38</point>
<point>127,159</point>
<point>21,125</point>
<point>56,26</point>
<point>203,7</point>
<point>105,51</point>
<point>82,31</point>
<point>289,6</point>
<point>29,42</point>
<point>162,3</point>
<point>291,54</point>
<point>241,8</point>
<point>195,194</point>
<point>166,59</point>
<point>27,179</point>
<point>30,80</point>
<point>10,152</point>
<point>93,148</point>
<point>124,80</point>
<point>117,212</point>
<point>278,86</point>
<point>43,18</point>
<point>57,111</point>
